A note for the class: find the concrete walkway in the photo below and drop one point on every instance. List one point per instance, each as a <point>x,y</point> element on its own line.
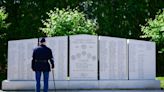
<point>95,91</point>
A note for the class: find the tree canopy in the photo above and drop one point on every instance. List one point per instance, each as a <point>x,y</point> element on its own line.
<point>115,18</point>
<point>154,30</point>
<point>3,35</point>
<point>68,22</point>
<point>3,24</point>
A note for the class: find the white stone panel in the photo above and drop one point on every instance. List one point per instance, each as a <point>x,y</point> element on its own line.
<point>19,59</point>
<point>83,57</point>
<point>59,47</point>
<point>142,59</point>
<point>113,58</point>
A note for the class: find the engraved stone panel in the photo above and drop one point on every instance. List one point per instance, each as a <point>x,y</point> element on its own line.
<point>59,47</point>
<point>83,57</point>
<point>19,59</point>
<point>141,59</point>
<point>113,58</point>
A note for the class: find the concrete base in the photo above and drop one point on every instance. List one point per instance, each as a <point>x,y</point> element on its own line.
<point>105,84</point>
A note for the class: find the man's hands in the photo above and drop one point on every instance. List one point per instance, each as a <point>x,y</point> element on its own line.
<point>52,66</point>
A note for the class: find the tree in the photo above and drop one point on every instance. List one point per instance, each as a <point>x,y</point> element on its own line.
<point>68,22</point>
<point>3,24</point>
<point>121,18</point>
<point>154,30</point>
<point>3,50</point>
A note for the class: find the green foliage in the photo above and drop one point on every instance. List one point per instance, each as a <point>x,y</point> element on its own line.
<point>154,29</point>
<point>161,81</point>
<point>121,18</point>
<point>3,39</point>
<point>115,18</point>
<point>68,22</point>
<point>3,24</point>
<point>3,16</point>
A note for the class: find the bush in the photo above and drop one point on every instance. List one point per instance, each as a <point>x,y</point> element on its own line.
<point>3,24</point>
<point>3,16</point>
<point>68,22</point>
<point>154,29</point>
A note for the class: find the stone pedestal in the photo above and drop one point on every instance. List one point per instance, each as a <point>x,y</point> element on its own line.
<point>103,84</point>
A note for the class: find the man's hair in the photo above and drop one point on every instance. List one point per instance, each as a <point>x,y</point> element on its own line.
<point>42,40</point>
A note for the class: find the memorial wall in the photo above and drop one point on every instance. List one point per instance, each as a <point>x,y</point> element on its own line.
<point>117,58</point>
<point>103,60</point>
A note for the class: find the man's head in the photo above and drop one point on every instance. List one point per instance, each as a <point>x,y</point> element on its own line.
<point>42,41</point>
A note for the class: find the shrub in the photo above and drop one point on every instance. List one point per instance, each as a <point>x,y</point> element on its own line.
<point>154,30</point>
<point>68,22</point>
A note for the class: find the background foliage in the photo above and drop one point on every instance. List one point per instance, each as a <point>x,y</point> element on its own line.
<point>3,26</point>
<point>154,29</point>
<point>68,22</point>
<point>118,18</point>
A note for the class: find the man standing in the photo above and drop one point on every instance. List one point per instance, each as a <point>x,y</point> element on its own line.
<point>41,55</point>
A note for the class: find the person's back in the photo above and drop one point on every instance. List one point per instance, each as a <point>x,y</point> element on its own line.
<point>41,55</point>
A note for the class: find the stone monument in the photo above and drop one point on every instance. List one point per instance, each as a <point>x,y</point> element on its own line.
<point>86,62</point>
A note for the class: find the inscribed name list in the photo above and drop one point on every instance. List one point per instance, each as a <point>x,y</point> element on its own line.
<point>113,58</point>
<point>141,59</point>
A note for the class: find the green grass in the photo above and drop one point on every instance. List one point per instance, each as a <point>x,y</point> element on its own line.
<point>161,81</point>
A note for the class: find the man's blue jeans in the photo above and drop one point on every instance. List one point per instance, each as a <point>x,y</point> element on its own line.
<point>38,77</point>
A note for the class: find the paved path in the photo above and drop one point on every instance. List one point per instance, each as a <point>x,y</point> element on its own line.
<point>95,91</point>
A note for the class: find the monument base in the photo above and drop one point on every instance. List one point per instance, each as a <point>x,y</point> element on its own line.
<point>101,84</point>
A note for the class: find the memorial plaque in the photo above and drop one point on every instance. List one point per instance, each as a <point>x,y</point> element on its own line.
<point>141,59</point>
<point>59,47</point>
<point>113,58</point>
<point>19,59</point>
<point>83,57</point>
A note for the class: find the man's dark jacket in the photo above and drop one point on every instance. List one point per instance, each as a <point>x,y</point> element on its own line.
<point>41,55</point>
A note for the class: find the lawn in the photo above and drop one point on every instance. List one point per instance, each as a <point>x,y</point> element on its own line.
<point>162,81</point>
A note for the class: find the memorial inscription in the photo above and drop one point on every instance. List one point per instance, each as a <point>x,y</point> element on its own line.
<point>19,59</point>
<point>113,58</point>
<point>141,59</point>
<point>59,47</point>
<point>83,57</point>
